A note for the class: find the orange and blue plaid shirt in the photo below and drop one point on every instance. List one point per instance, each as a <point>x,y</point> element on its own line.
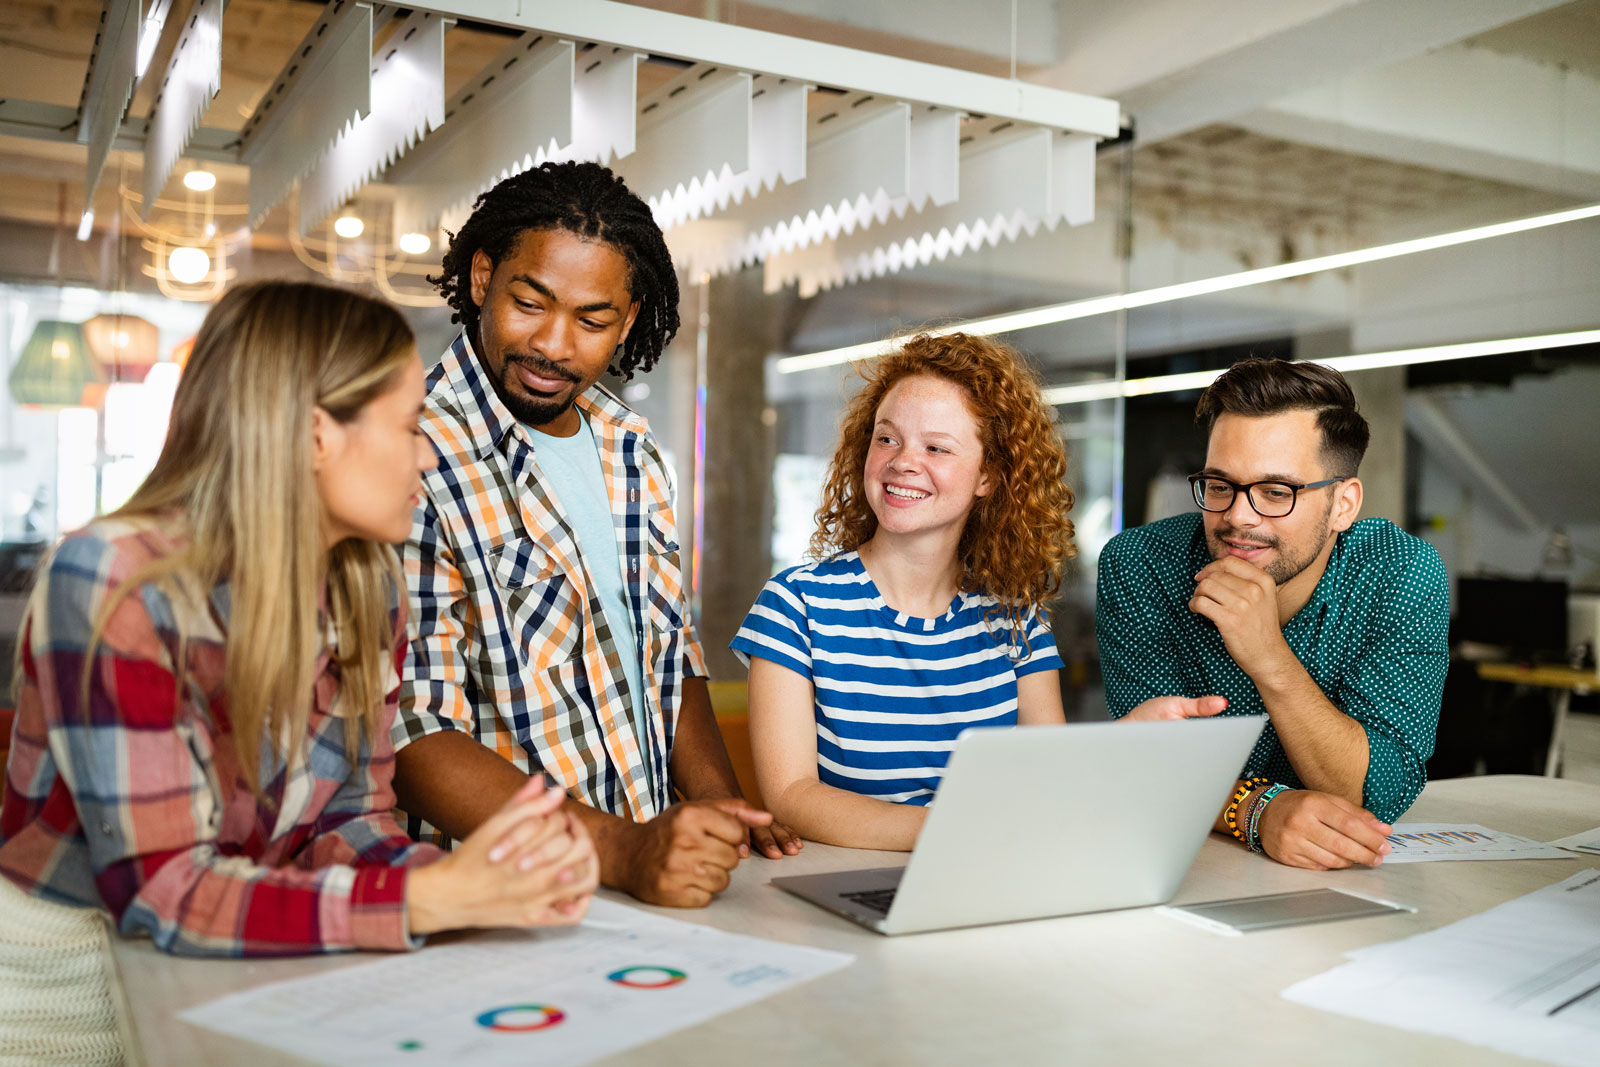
<point>136,802</point>
<point>512,644</point>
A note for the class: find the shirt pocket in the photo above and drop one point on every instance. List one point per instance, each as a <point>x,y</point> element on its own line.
<point>542,615</point>
<point>664,579</point>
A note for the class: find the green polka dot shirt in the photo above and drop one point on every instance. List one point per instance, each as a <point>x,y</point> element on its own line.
<point>1374,637</point>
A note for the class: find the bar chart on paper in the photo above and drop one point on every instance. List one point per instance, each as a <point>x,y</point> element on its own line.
<point>550,997</point>
<point>1416,842</point>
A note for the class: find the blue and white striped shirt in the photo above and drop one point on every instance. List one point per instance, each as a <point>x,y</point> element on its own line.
<point>892,691</point>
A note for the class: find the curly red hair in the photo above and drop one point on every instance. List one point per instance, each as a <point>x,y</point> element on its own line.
<point>1018,538</point>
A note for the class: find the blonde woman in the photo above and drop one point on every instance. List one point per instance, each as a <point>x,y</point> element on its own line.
<point>207,681</point>
<point>942,533</point>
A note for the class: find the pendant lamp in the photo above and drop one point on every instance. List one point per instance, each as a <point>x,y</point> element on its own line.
<point>55,367</point>
<point>126,345</point>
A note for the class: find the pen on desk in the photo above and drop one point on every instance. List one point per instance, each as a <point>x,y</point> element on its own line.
<point>1570,1001</point>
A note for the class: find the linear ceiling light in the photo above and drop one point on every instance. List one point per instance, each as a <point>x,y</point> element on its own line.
<point>1177,383</point>
<point>1102,305</point>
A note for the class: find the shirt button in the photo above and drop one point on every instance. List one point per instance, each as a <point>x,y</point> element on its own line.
<point>105,828</point>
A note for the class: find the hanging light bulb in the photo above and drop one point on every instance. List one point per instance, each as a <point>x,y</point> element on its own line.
<point>200,180</point>
<point>189,265</point>
<point>415,244</point>
<point>348,226</point>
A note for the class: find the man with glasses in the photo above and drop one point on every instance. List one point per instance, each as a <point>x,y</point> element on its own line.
<point>1274,598</point>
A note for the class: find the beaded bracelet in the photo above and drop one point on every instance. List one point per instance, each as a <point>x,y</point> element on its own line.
<point>1231,815</point>
<point>1253,830</point>
<point>1246,806</point>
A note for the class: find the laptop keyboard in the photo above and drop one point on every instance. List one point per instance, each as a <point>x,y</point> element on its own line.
<point>877,900</point>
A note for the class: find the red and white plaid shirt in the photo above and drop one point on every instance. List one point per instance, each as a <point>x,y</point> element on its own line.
<point>136,802</point>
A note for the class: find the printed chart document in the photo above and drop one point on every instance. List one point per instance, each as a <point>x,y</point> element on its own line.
<point>1416,842</point>
<point>1588,841</point>
<point>547,997</point>
<point>1523,977</point>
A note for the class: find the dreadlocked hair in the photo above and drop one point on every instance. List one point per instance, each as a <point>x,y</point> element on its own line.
<point>586,200</point>
<point>1018,539</point>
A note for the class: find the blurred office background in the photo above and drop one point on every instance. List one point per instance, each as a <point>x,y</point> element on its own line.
<point>1253,134</point>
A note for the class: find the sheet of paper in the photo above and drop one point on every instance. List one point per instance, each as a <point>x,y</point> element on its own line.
<point>549,997</point>
<point>1523,977</point>
<point>1416,842</point>
<point>1588,841</point>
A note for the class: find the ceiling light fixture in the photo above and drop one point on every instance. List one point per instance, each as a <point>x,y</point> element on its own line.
<point>1101,305</point>
<point>86,224</point>
<point>150,36</point>
<point>415,244</point>
<point>349,227</point>
<point>1401,357</point>
<point>189,265</point>
<point>201,181</point>
<point>54,367</point>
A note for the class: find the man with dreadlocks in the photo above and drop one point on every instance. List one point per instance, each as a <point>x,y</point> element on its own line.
<point>553,631</point>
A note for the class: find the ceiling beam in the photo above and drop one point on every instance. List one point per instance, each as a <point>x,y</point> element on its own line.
<point>1463,109</point>
<point>1440,436</point>
<point>1175,67</point>
<point>112,73</point>
<point>740,48</point>
<point>39,121</point>
<point>899,22</point>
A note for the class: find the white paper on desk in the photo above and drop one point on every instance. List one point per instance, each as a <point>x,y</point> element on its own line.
<point>1523,977</point>
<point>1418,842</point>
<point>1588,841</point>
<point>550,997</point>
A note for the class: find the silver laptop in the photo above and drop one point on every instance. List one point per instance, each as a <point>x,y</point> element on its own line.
<point>1052,820</point>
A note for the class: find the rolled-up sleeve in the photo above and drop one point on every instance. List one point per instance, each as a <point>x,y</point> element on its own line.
<point>1396,684</point>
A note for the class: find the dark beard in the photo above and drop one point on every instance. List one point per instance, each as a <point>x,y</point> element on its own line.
<point>533,412</point>
<point>1282,570</point>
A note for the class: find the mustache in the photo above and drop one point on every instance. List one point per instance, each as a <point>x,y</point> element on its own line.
<point>1234,535</point>
<point>541,366</point>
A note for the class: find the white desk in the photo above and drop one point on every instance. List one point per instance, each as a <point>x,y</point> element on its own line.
<point>1130,987</point>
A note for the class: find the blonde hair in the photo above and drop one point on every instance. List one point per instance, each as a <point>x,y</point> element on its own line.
<point>236,470</point>
<point>1018,538</point>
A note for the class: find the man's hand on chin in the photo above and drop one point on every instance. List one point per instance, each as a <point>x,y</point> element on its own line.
<point>1242,600</point>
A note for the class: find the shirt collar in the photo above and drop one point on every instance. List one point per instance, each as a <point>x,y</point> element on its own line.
<point>602,405</point>
<point>489,420</point>
<point>485,414</point>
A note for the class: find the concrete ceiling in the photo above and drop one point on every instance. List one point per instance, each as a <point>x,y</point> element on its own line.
<point>1266,130</point>
<point>1195,77</point>
<point>1566,36</point>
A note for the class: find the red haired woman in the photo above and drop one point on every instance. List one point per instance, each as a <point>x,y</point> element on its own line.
<point>942,533</point>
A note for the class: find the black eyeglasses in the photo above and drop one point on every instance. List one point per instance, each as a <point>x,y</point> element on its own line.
<point>1271,500</point>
